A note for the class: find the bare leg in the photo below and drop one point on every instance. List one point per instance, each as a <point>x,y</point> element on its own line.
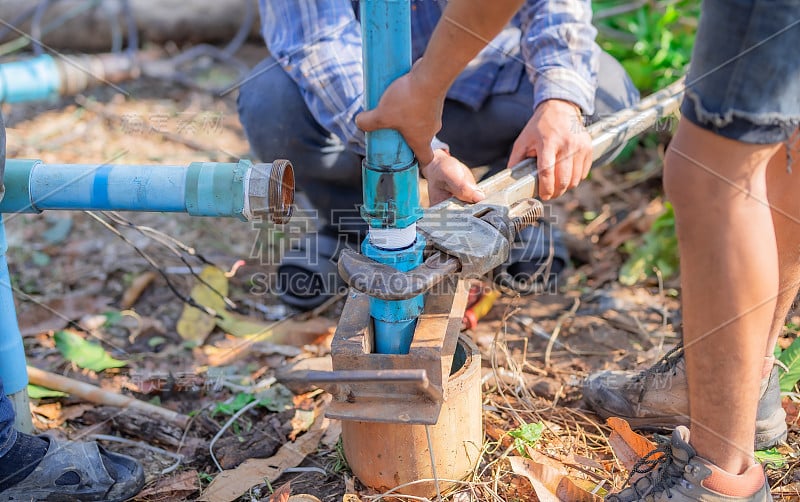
<point>729,277</point>
<point>785,204</point>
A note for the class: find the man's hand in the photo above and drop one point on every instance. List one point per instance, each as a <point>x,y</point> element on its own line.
<point>413,108</point>
<point>563,149</point>
<point>448,177</point>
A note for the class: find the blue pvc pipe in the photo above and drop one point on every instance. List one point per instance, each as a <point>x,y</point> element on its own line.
<point>390,172</point>
<point>35,79</point>
<point>394,321</point>
<point>13,369</point>
<point>200,189</point>
<point>386,32</point>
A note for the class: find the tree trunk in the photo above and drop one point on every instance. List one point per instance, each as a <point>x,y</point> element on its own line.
<point>159,21</point>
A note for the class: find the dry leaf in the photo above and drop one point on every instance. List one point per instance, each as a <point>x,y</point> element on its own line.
<point>136,289</point>
<point>56,415</point>
<point>628,446</point>
<point>231,484</point>
<point>37,317</point>
<point>332,435</point>
<point>282,494</point>
<point>177,487</point>
<point>549,483</point>
<point>302,421</point>
<point>350,497</point>
<point>194,324</point>
<point>297,333</point>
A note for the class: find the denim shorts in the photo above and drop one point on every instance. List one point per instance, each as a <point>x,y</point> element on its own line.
<point>744,77</point>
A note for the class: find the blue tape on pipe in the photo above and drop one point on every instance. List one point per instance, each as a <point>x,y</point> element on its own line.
<point>100,186</point>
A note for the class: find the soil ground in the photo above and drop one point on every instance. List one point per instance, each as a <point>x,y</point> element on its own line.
<point>69,271</point>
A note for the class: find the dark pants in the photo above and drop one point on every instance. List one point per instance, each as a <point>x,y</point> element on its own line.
<point>7,432</point>
<point>279,126</point>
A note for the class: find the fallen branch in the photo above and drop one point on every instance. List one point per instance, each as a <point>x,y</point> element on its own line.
<point>97,395</point>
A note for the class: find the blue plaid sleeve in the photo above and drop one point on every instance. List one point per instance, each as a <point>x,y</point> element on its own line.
<point>318,43</point>
<point>559,51</point>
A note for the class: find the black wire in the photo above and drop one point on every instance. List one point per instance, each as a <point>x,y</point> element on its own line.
<point>244,30</point>
<point>133,33</point>
<point>185,299</point>
<point>176,247</point>
<point>14,23</point>
<point>36,26</point>
<point>168,69</point>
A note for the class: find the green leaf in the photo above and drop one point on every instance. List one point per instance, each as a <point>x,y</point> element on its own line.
<point>277,398</point>
<point>658,250</point>
<point>39,392</point>
<point>156,341</point>
<point>791,359</point>
<point>85,354</point>
<point>526,435</point>
<point>771,457</point>
<point>239,401</point>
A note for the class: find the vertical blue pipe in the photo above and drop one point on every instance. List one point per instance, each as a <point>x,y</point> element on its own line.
<point>12,354</point>
<point>386,33</point>
<point>390,172</point>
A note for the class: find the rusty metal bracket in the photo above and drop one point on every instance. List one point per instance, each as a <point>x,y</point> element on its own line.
<point>394,388</point>
<point>340,383</point>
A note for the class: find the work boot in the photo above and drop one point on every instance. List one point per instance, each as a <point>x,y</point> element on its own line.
<point>674,472</point>
<point>658,398</point>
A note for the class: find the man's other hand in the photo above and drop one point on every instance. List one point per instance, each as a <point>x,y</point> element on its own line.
<point>411,107</point>
<point>448,177</point>
<point>555,135</point>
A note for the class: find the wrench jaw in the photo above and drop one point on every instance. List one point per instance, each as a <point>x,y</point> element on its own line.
<point>468,242</point>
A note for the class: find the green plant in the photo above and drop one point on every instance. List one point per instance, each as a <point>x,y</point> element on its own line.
<point>653,42</point>
<point>276,398</point>
<point>85,354</point>
<point>771,458</point>
<point>790,370</point>
<point>340,464</point>
<point>526,435</point>
<point>657,249</point>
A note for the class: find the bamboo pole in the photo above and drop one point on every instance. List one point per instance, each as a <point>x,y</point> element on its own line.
<point>97,395</point>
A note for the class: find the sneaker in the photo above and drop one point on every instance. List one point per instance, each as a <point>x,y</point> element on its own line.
<point>674,472</point>
<point>658,398</point>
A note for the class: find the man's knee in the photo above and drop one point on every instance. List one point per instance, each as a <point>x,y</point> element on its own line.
<point>271,110</point>
<point>615,89</point>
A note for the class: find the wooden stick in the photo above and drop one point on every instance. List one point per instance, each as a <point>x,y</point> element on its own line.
<point>97,395</point>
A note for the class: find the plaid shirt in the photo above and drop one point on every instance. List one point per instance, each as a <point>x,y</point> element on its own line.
<point>318,43</point>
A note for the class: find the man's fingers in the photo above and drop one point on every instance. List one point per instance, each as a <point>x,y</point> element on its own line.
<point>369,121</point>
<point>577,169</point>
<point>545,163</point>
<point>423,152</point>
<point>466,190</point>
<point>518,153</point>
